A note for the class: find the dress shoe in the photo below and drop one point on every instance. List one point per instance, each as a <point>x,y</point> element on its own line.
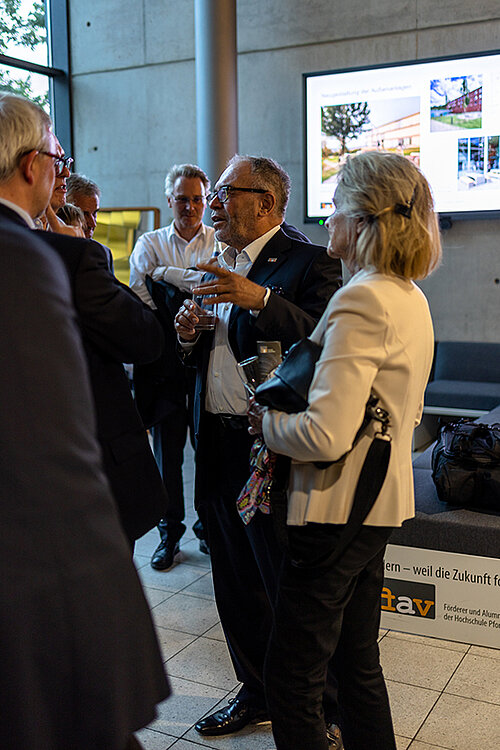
<point>163,556</point>
<point>204,547</point>
<point>232,718</point>
<point>334,737</point>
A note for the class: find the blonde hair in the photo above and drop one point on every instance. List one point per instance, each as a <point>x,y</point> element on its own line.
<point>71,215</point>
<point>399,233</point>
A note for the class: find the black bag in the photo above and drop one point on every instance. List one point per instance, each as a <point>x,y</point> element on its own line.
<point>466,465</point>
<point>287,390</point>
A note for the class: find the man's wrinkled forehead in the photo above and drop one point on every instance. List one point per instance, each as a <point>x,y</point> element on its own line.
<point>235,174</point>
<point>51,142</point>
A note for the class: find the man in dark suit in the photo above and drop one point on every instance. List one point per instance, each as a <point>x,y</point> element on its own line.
<point>265,286</point>
<point>80,663</point>
<point>116,327</point>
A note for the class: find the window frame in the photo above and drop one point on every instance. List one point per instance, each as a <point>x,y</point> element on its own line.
<point>58,72</point>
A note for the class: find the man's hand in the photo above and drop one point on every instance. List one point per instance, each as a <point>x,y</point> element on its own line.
<point>186,319</point>
<point>56,225</point>
<point>229,287</point>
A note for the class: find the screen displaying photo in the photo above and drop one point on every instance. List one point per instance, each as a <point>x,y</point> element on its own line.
<point>444,115</point>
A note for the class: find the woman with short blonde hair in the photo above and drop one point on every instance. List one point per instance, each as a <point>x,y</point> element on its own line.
<point>377,340</point>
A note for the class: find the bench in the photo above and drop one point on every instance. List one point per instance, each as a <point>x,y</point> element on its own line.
<point>465,382</point>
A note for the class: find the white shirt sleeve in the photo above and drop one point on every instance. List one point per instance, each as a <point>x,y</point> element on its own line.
<point>184,279</point>
<point>143,261</point>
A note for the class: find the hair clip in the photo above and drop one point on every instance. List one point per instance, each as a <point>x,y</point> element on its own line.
<point>405,209</point>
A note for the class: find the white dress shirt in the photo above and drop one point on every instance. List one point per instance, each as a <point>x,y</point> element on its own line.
<point>165,248</point>
<point>225,390</point>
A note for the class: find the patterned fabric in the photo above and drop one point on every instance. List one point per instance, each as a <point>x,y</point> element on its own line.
<point>255,494</point>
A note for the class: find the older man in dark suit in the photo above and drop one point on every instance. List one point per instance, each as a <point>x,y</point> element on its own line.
<point>116,327</point>
<point>80,663</point>
<point>265,286</point>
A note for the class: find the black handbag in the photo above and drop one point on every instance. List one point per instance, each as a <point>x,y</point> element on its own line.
<point>287,390</point>
<point>466,465</point>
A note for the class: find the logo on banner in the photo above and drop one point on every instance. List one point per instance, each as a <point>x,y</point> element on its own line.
<point>409,598</point>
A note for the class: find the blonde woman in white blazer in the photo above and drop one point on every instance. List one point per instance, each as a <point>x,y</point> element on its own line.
<point>377,338</point>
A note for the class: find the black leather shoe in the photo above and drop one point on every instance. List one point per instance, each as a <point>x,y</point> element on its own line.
<point>232,718</point>
<point>334,737</point>
<point>163,556</point>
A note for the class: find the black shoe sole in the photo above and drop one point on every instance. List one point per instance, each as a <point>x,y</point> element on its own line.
<point>220,732</point>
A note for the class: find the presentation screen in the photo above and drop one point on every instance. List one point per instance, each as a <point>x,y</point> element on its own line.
<point>443,114</point>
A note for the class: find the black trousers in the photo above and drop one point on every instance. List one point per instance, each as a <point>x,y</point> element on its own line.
<point>327,615</point>
<point>169,439</point>
<point>246,560</point>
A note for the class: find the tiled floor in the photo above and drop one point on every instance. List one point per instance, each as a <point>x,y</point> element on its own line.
<point>444,695</point>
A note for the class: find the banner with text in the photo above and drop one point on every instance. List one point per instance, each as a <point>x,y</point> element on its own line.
<point>442,595</point>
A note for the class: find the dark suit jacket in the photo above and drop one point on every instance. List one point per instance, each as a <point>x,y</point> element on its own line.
<point>116,327</point>
<point>161,387</point>
<point>302,278</point>
<point>80,666</point>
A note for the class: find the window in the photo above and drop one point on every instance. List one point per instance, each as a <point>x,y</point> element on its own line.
<point>34,57</point>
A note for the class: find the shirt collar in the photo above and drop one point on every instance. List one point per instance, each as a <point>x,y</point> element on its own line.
<point>20,211</point>
<point>254,248</point>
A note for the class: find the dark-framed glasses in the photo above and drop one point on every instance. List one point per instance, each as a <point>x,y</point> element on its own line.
<point>60,162</point>
<point>223,193</point>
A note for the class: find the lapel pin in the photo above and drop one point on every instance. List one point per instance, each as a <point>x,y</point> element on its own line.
<point>272,260</point>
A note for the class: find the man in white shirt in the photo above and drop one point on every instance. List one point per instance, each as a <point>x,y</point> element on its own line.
<point>164,399</point>
<point>265,286</point>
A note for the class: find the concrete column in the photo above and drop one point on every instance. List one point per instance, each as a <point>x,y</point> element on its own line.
<point>216,84</point>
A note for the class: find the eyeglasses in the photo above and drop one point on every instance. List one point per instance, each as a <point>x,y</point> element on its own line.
<point>183,200</point>
<point>60,162</point>
<point>224,192</point>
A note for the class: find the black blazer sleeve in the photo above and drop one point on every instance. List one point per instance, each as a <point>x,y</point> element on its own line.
<point>111,316</point>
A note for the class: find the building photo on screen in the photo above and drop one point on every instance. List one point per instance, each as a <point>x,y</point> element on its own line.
<point>442,114</point>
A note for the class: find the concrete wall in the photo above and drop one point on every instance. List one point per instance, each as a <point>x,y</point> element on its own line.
<point>134,105</point>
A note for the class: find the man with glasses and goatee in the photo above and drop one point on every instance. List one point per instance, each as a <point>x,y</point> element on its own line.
<point>164,392</point>
<point>265,286</point>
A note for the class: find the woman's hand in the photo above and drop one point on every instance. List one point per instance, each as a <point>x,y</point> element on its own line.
<point>255,416</point>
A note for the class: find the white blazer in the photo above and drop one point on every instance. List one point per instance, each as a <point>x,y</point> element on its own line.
<point>377,337</point>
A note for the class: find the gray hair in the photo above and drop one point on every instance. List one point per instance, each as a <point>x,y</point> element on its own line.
<point>78,184</point>
<point>23,128</point>
<point>268,174</point>
<point>185,170</point>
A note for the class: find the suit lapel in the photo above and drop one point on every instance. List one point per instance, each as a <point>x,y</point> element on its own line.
<point>271,257</point>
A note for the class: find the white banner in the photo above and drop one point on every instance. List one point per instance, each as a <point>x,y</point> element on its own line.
<point>442,595</point>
